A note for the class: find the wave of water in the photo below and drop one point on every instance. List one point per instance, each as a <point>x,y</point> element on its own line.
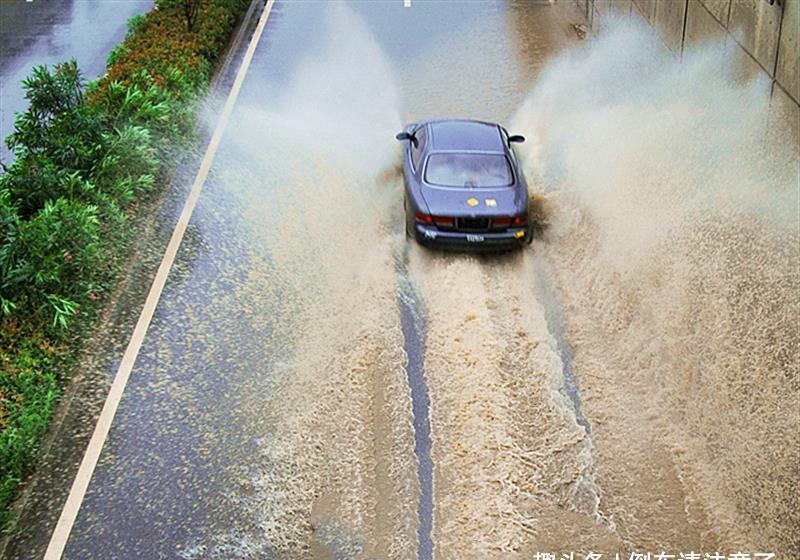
<point>675,244</point>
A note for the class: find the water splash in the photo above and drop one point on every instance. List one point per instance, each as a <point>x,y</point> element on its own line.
<point>674,240</point>
<point>334,472</point>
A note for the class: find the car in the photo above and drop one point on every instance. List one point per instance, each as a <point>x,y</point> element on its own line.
<point>464,188</point>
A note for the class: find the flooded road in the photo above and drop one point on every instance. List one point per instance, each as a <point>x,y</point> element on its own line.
<point>315,386</point>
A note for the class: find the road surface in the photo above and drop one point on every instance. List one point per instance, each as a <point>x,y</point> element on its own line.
<point>314,386</point>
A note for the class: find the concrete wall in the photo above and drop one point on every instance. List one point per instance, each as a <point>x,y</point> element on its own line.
<point>763,37</point>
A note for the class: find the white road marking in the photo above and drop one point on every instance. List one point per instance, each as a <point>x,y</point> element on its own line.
<point>58,540</point>
<point>406,3</point>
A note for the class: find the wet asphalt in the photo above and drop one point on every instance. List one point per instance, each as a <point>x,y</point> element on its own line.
<point>186,435</point>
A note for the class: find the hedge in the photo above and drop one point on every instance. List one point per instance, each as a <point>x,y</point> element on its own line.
<point>86,157</point>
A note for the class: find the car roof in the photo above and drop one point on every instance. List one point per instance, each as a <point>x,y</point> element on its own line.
<point>465,135</point>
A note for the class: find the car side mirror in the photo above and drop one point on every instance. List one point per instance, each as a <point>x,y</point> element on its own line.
<point>402,136</point>
<point>519,138</point>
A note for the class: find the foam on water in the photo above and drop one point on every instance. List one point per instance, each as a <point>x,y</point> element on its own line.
<point>513,467</point>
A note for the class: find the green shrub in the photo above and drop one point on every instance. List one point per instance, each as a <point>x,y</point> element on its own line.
<point>58,135</point>
<point>161,51</point>
<point>9,219</point>
<point>128,168</point>
<point>115,54</point>
<point>187,8</point>
<point>49,260</point>
<point>141,102</point>
<point>136,24</point>
<point>33,180</point>
<point>57,124</point>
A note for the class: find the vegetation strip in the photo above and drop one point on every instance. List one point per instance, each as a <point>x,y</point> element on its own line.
<point>82,479</point>
<point>88,158</point>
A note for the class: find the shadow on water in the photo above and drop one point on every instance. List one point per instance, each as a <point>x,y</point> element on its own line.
<point>555,324</point>
<point>414,325</point>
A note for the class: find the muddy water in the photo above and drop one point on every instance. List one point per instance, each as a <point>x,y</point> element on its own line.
<point>511,461</point>
<point>335,473</point>
<point>314,386</point>
<point>344,466</point>
<point>625,384</point>
<point>677,266</point>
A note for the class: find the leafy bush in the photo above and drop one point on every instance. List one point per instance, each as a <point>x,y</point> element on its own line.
<point>9,219</point>
<point>188,8</point>
<point>115,54</point>
<point>142,103</point>
<point>135,24</point>
<point>57,136</point>
<point>58,124</point>
<point>159,50</point>
<point>48,261</point>
<point>129,165</point>
<point>28,390</point>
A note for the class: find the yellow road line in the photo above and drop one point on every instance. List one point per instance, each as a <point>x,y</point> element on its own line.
<point>58,540</point>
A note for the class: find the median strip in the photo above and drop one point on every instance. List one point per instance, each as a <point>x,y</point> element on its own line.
<point>69,513</point>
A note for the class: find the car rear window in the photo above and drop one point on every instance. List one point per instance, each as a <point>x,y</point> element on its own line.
<point>468,170</point>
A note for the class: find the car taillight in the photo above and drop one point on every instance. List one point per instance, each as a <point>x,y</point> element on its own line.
<point>510,221</point>
<point>441,221</point>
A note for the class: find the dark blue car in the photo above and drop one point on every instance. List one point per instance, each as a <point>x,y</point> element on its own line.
<point>463,185</point>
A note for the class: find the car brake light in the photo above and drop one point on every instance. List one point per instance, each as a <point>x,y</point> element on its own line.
<point>423,218</point>
<point>443,221</point>
<point>510,221</point>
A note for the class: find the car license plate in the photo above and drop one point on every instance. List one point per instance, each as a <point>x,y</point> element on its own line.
<point>474,238</point>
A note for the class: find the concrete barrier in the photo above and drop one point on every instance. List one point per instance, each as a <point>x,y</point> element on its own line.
<point>788,68</point>
<point>763,38</point>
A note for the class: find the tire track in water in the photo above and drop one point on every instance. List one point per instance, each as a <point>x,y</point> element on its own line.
<point>414,323</point>
<point>513,464</point>
<point>553,314</point>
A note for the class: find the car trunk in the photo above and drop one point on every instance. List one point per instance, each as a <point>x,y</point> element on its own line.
<point>471,207</point>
